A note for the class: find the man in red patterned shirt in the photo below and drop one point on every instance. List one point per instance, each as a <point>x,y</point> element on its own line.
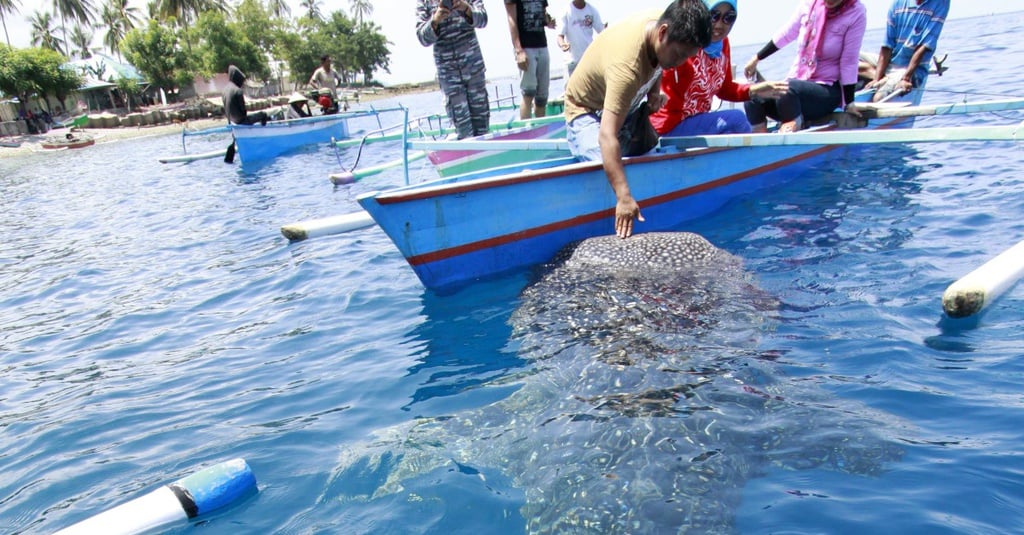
<point>691,86</point>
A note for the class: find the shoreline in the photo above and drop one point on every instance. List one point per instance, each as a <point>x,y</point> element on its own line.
<point>33,143</point>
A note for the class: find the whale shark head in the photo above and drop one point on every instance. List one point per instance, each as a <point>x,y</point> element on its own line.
<point>661,289</point>
<point>645,402</point>
<point>659,252</point>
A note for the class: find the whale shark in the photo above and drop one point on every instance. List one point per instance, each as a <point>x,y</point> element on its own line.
<point>645,401</point>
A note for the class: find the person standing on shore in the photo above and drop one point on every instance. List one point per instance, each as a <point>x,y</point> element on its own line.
<point>527,20</point>
<point>579,24</point>
<point>450,27</point>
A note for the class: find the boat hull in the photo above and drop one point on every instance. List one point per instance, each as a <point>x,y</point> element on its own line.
<point>63,143</point>
<point>456,230</point>
<point>256,143</point>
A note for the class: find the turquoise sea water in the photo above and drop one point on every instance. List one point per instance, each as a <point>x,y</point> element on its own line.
<point>154,321</point>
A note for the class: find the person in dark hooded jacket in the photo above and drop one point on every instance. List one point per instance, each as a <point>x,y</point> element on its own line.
<point>234,100</point>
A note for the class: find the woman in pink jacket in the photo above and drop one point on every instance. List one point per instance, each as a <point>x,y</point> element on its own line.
<point>824,75</point>
<point>690,87</point>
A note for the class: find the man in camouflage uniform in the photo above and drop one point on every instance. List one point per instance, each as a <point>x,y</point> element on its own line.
<point>450,26</point>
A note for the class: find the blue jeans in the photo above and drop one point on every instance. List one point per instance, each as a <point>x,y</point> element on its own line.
<point>583,135</point>
<point>711,123</point>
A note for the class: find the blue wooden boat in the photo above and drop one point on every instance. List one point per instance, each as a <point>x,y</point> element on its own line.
<point>458,229</point>
<point>258,143</point>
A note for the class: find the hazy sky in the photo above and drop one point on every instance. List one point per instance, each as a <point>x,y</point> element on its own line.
<point>411,62</point>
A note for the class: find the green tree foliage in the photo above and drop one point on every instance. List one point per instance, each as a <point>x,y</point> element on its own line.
<point>370,51</point>
<point>223,43</point>
<point>354,49</point>
<point>28,72</point>
<point>256,24</point>
<point>129,87</point>
<point>187,11</point>
<point>334,37</point>
<point>155,51</point>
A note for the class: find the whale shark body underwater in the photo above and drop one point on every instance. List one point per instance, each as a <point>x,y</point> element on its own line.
<point>645,402</point>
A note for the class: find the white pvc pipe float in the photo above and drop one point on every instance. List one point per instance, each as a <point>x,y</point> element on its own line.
<point>348,177</point>
<point>200,493</point>
<point>979,288</point>
<point>192,157</point>
<point>327,225</point>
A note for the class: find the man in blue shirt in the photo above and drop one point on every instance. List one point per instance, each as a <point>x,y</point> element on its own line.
<point>912,34</point>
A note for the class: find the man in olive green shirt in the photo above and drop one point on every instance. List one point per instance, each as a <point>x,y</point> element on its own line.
<point>620,69</point>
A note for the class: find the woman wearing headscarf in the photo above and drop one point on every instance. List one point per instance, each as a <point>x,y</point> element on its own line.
<point>829,34</point>
<point>691,86</point>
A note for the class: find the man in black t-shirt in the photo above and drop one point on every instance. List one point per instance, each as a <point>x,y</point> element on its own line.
<point>527,20</point>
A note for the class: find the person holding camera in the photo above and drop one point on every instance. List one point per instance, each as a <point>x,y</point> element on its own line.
<point>450,27</point>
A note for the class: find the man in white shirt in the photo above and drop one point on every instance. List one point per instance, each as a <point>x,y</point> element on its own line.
<point>576,31</point>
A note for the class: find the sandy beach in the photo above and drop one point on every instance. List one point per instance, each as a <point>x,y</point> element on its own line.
<point>34,143</point>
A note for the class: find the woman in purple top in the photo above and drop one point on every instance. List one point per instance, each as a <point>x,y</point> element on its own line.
<point>824,75</point>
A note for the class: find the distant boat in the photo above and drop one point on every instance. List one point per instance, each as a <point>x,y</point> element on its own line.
<point>257,143</point>
<point>68,141</point>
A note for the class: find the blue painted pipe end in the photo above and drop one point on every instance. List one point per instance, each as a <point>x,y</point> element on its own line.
<point>219,485</point>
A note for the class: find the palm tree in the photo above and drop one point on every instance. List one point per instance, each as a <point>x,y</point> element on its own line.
<point>80,11</point>
<point>119,18</point>
<point>212,5</point>
<point>277,8</point>
<point>81,38</point>
<point>187,11</point>
<point>7,6</point>
<point>129,15</point>
<point>42,32</point>
<point>361,9</point>
<point>312,8</point>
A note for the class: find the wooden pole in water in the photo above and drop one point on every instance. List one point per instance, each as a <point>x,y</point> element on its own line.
<point>979,288</point>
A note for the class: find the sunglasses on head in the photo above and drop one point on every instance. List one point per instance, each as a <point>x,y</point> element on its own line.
<point>728,18</point>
